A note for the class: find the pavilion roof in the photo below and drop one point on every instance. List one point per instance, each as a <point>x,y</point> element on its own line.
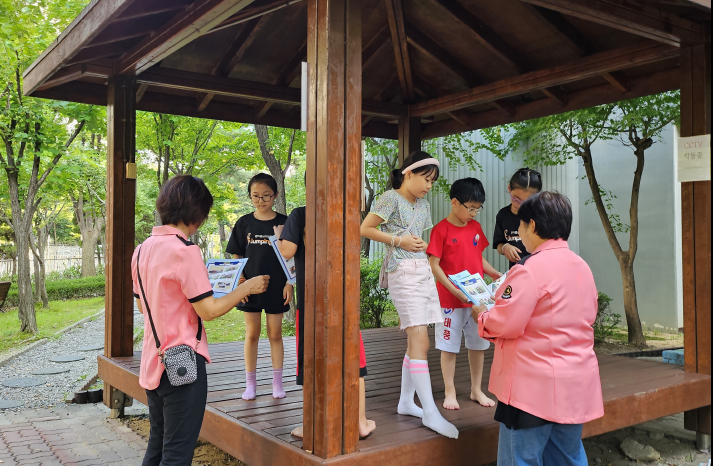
<point>456,64</point>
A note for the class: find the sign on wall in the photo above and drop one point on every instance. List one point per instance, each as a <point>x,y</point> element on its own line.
<point>694,158</point>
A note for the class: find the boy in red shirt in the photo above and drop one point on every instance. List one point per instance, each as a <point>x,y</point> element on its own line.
<point>457,244</point>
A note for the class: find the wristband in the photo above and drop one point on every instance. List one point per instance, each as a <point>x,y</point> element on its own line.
<point>393,238</point>
<point>400,239</point>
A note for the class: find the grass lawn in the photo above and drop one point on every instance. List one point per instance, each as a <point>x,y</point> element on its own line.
<point>59,315</point>
<point>231,327</point>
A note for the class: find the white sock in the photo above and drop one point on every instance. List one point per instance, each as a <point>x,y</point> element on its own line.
<point>421,379</point>
<point>407,407</point>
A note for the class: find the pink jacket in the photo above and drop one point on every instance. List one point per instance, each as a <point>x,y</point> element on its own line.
<point>544,360</point>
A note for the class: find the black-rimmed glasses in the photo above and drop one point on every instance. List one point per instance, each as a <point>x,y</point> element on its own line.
<point>265,198</point>
<point>471,210</point>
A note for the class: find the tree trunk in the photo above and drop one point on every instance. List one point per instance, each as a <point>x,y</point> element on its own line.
<point>41,248</point>
<point>26,304</point>
<point>276,169</point>
<point>223,241</point>
<point>90,226</point>
<point>631,308</point>
<point>88,246</point>
<point>38,293</point>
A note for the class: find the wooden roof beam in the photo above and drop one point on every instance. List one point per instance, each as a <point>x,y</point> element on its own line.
<point>235,52</point>
<point>196,82</point>
<point>288,74</point>
<point>148,9</point>
<point>427,46</point>
<point>374,45</point>
<point>632,17</point>
<point>199,18</point>
<point>489,39</point>
<point>615,60</point>
<point>397,27</point>
<point>582,46</point>
<point>661,81</point>
<point>141,91</point>
<point>93,19</point>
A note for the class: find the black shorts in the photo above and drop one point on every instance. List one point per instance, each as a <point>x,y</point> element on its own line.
<point>267,311</point>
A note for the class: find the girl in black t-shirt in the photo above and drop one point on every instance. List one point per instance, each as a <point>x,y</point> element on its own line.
<point>250,238</point>
<point>506,239</point>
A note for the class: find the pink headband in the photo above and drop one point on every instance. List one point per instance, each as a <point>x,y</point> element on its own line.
<point>421,163</point>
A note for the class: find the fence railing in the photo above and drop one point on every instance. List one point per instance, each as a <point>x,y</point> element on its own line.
<point>51,265</point>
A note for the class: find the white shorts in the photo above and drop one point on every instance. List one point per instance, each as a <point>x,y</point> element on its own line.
<point>413,292</point>
<point>455,323</point>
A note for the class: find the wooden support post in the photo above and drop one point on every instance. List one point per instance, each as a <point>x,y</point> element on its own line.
<point>409,137</point>
<point>696,223</point>
<point>331,384</point>
<point>120,202</point>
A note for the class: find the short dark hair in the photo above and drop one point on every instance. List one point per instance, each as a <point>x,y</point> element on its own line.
<point>526,178</point>
<point>468,190</point>
<point>397,178</point>
<point>184,199</point>
<point>263,178</point>
<point>552,213</point>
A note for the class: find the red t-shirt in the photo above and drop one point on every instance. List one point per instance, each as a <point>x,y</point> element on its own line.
<point>459,248</point>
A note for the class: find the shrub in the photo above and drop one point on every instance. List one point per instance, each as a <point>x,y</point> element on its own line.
<point>607,320</point>
<point>375,301</point>
<point>86,287</point>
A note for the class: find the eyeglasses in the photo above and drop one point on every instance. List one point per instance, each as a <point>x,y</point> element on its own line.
<point>265,198</point>
<point>472,210</point>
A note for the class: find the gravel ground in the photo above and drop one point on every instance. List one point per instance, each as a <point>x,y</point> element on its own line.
<point>57,386</point>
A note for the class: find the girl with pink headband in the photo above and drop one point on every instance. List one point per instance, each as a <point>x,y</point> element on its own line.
<point>398,219</point>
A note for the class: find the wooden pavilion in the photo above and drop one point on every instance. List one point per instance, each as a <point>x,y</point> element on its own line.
<point>401,69</point>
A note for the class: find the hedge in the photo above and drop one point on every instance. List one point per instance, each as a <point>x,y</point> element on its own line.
<point>75,288</point>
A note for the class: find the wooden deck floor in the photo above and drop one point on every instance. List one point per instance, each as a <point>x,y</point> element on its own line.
<point>258,432</point>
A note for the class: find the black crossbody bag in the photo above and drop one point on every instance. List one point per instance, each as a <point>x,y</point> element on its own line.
<point>179,361</point>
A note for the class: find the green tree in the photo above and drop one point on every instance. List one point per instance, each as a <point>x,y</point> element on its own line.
<point>35,133</point>
<point>278,146</point>
<point>553,140</point>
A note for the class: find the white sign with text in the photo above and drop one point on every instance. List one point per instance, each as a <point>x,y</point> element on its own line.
<point>694,158</point>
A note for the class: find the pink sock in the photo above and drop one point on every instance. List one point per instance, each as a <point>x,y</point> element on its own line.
<point>249,393</point>
<point>277,390</point>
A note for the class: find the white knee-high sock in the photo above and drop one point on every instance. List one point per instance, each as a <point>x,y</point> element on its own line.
<point>421,379</point>
<point>407,407</point>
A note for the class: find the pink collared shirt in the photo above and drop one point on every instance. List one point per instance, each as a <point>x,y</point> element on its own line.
<point>541,323</point>
<point>173,276</point>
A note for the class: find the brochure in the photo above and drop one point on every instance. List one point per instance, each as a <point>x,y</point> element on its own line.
<point>224,274</point>
<point>475,288</point>
<point>288,266</point>
<point>496,284</point>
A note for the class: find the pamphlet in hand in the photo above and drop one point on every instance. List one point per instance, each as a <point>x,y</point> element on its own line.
<point>496,284</point>
<point>474,288</point>
<point>224,274</point>
<point>288,266</point>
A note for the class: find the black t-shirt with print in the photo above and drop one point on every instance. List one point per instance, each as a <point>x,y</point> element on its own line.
<point>250,238</point>
<point>507,225</point>
<point>293,231</point>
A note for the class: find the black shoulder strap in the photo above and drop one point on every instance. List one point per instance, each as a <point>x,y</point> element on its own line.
<point>524,259</point>
<point>148,309</point>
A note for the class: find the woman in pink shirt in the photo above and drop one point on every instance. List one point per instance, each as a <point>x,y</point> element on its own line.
<point>174,283</point>
<point>545,373</point>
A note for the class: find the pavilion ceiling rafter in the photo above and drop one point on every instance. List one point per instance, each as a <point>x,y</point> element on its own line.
<point>184,27</point>
<point>397,27</point>
<point>658,82</point>
<point>581,45</point>
<point>288,75</point>
<point>374,45</point>
<point>633,17</point>
<point>494,43</point>
<point>427,46</point>
<point>594,65</point>
<point>234,53</point>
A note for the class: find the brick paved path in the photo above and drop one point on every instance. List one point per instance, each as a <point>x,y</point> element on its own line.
<point>71,435</point>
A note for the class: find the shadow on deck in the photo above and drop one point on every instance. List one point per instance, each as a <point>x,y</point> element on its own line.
<point>258,432</point>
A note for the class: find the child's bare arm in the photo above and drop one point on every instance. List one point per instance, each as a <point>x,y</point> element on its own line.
<point>490,270</point>
<point>369,230</point>
<point>443,279</point>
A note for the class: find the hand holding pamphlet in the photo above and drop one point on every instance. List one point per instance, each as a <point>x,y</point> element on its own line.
<point>288,266</point>
<point>224,274</point>
<point>475,288</point>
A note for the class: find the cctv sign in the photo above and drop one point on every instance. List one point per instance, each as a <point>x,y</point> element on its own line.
<point>694,158</point>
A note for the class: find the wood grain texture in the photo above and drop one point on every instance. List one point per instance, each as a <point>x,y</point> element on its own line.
<point>257,432</point>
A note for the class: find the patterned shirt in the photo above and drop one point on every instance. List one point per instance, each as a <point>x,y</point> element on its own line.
<point>398,213</point>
